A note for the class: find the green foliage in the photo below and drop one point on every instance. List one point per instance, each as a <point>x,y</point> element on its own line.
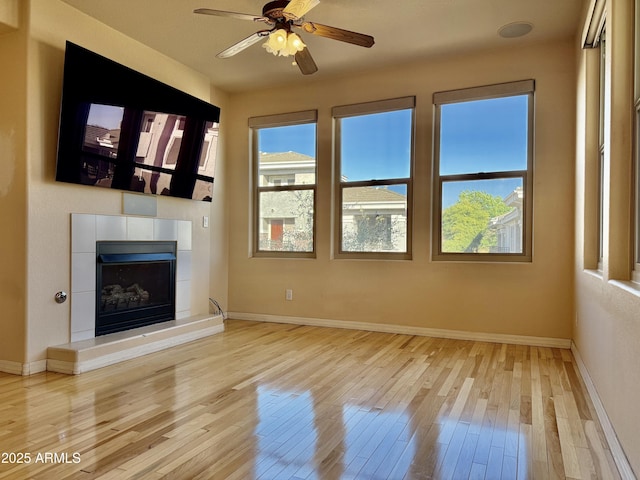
<point>465,224</point>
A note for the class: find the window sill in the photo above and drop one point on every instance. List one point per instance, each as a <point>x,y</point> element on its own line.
<point>630,287</point>
<point>594,273</point>
<point>285,255</point>
<point>482,258</point>
<point>372,256</point>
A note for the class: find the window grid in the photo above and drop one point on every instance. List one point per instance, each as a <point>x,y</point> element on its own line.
<point>284,203</point>
<point>474,251</point>
<point>363,231</point>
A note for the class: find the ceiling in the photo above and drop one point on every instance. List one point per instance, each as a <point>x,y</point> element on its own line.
<point>404,30</point>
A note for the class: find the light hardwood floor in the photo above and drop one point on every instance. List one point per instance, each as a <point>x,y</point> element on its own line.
<point>295,402</point>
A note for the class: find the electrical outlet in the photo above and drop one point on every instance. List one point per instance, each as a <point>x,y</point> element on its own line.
<point>288,294</point>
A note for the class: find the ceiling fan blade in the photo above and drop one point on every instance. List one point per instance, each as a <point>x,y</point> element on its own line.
<point>305,62</point>
<point>243,44</point>
<point>240,16</point>
<point>296,9</point>
<point>337,34</point>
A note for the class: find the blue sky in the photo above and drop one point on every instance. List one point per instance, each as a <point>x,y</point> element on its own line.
<point>106,116</point>
<point>294,138</point>
<point>484,135</point>
<point>376,146</point>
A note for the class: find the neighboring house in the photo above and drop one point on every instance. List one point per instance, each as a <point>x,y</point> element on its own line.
<point>373,218</point>
<point>508,226</point>
<point>103,142</point>
<point>286,217</point>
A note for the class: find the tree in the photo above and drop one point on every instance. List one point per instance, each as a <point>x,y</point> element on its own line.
<point>465,224</point>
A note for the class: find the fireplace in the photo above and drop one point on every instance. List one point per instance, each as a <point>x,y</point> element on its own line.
<point>135,284</point>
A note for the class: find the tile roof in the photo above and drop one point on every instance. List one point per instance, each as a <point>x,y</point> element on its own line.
<point>284,157</point>
<point>371,194</point>
<point>92,133</point>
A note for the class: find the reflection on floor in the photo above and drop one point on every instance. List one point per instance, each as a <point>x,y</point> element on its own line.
<point>286,402</point>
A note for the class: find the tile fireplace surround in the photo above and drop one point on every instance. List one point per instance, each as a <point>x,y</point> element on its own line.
<point>88,229</point>
<point>86,351</point>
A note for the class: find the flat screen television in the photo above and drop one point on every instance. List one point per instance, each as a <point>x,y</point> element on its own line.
<point>124,130</point>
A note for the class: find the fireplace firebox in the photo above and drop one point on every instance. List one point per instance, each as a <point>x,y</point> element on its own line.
<point>135,284</point>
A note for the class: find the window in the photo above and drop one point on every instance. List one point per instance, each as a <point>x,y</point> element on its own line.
<point>601,42</point>
<point>483,173</point>
<point>374,160</point>
<point>284,163</point>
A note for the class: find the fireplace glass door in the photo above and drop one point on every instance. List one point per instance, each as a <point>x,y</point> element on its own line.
<point>135,284</point>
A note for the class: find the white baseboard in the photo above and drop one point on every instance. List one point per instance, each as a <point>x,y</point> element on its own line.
<point>407,330</point>
<point>624,467</point>
<point>14,368</point>
<point>17,368</point>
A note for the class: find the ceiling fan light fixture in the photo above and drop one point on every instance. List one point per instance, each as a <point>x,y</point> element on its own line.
<point>283,43</point>
<point>294,44</point>
<point>276,42</point>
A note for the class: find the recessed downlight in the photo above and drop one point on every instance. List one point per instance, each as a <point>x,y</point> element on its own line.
<point>515,29</point>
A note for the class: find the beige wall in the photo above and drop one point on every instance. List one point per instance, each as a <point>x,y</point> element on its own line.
<point>607,324</point>
<point>521,299</point>
<point>50,203</point>
<point>13,194</point>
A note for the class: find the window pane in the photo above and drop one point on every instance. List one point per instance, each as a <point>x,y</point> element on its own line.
<point>287,155</point>
<point>376,146</point>
<point>484,135</point>
<point>482,216</point>
<point>374,219</point>
<point>286,221</point>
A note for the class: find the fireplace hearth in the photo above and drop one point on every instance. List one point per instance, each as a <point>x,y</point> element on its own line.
<point>135,284</point>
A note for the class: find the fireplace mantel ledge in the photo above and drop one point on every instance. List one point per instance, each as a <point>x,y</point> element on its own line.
<point>85,355</point>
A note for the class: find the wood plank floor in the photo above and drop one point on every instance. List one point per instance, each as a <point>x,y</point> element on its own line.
<point>294,402</point>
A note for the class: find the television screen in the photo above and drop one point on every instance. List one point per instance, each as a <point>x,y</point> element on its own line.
<point>122,129</point>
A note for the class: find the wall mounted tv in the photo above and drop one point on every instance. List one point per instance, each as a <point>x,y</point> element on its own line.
<point>124,130</point>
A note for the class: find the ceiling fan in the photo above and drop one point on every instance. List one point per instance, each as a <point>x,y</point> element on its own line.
<point>281,16</point>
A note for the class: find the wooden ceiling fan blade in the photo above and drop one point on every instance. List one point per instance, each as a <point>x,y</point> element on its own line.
<point>296,9</point>
<point>243,44</point>
<point>240,16</point>
<point>337,34</point>
<point>305,62</point>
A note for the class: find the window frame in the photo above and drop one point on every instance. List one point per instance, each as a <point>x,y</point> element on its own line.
<point>361,109</point>
<point>272,121</point>
<point>517,88</point>
<point>635,270</point>
<point>635,241</point>
<point>600,43</point>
